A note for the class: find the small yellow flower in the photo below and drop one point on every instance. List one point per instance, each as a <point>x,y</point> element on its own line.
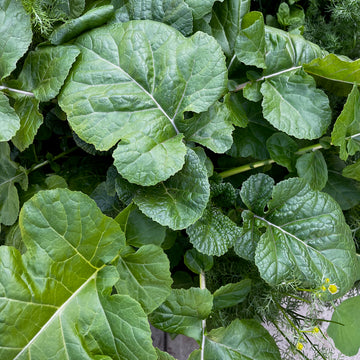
<point>323,288</point>
<point>327,280</point>
<point>299,346</point>
<point>315,330</point>
<point>333,289</point>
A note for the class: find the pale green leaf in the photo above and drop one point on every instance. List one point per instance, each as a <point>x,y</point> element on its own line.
<point>179,201</point>
<point>15,35</point>
<point>250,44</point>
<point>294,105</point>
<point>312,167</point>
<point>347,124</point>
<point>163,355</point>
<point>213,233</point>
<point>212,128</point>
<point>226,23</point>
<point>306,239</point>
<point>27,109</point>
<point>285,50</point>
<point>62,286</point>
<point>10,173</point>
<point>144,75</point>
<point>9,120</point>
<point>334,73</point>
<point>352,171</point>
<point>231,294</point>
<point>256,192</point>
<point>198,262</point>
<point>145,276</point>
<point>242,339</point>
<point>73,28</point>
<point>201,8</point>
<point>346,334</point>
<point>183,311</point>
<point>252,91</point>
<point>46,69</point>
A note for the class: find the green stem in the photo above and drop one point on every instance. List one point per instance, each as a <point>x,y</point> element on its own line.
<point>22,92</point>
<point>203,322</point>
<point>287,318</point>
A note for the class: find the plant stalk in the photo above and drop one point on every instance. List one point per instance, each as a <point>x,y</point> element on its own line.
<point>203,322</point>
<point>21,92</point>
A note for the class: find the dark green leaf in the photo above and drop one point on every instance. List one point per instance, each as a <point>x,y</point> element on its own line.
<point>72,8</point>
<point>198,262</point>
<point>231,294</point>
<point>352,171</point>
<point>238,115</point>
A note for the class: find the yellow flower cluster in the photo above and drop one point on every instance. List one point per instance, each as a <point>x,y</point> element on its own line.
<point>332,288</point>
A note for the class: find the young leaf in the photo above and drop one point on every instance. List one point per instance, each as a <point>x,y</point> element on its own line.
<point>347,124</point>
<point>335,74</point>
<point>346,331</point>
<point>236,105</point>
<point>198,262</point>
<point>62,285</point>
<point>212,128</point>
<point>46,69</point>
<point>242,339</point>
<point>293,105</point>
<point>179,201</point>
<point>352,171</point>
<point>15,35</point>
<point>213,233</point>
<point>231,294</point>
<point>226,23</point>
<point>10,173</point>
<point>250,44</point>
<point>145,276</point>
<point>182,312</point>
<point>138,88</point>
<point>306,239</point>
<point>73,28</point>
<point>27,109</point>
<point>312,167</point>
<point>9,121</point>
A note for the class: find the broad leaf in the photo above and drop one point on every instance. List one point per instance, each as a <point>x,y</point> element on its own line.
<point>312,167</point>
<point>294,105</point>
<point>73,28</point>
<point>306,239</point>
<point>149,83</point>
<point>62,286</point>
<point>334,73</point>
<point>9,121</point>
<point>212,128</point>
<point>72,8</point>
<point>231,294</point>
<point>226,23</point>
<point>10,173</point>
<point>347,124</point>
<point>145,276</point>
<point>352,171</point>
<point>27,109</point>
<point>175,13</point>
<point>345,328</point>
<point>179,201</point>
<point>236,107</point>
<point>242,339</point>
<point>15,35</point>
<point>201,8</point>
<point>183,312</point>
<point>46,69</point>
<point>198,262</point>
<point>282,149</point>
<point>213,233</point>
<point>285,50</point>
<point>250,44</point>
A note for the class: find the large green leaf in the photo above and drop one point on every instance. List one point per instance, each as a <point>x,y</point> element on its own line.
<point>334,73</point>
<point>213,233</point>
<point>345,326</point>
<point>61,286</point>
<point>15,35</point>
<point>294,105</point>
<point>27,109</point>
<point>250,44</point>
<point>347,124</point>
<point>175,13</point>
<point>10,173</point>
<point>183,312</point>
<point>9,120</point>
<point>46,69</point>
<point>352,171</point>
<point>285,50</point>
<point>145,276</point>
<point>226,23</point>
<point>179,201</point>
<point>306,238</point>
<point>242,339</point>
<point>144,75</point>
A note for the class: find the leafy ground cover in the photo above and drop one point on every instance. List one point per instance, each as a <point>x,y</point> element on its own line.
<point>190,163</point>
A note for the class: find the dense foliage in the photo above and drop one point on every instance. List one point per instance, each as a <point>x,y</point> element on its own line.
<point>192,163</point>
